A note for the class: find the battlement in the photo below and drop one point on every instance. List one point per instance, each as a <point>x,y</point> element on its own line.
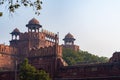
<point>46,51</point>
<point>6,61</point>
<point>7,49</point>
<point>43,34</point>
<point>30,35</point>
<point>49,34</point>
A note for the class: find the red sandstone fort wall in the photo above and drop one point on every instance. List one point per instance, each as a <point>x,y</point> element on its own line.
<point>46,51</point>
<point>6,58</point>
<point>90,71</point>
<point>73,47</point>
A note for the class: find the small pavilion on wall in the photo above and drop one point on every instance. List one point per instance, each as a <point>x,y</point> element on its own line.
<point>69,42</point>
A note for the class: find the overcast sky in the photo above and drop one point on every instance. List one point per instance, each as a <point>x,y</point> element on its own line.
<point>95,24</point>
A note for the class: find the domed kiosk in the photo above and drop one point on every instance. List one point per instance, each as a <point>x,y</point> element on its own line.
<point>69,39</point>
<point>15,33</point>
<point>33,25</point>
<point>69,42</point>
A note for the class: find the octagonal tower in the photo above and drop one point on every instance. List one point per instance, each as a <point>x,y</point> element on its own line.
<point>69,42</point>
<point>33,25</point>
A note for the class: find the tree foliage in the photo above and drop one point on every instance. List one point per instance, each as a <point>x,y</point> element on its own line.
<point>12,5</point>
<point>28,72</point>
<point>0,13</point>
<point>73,57</point>
<point>42,75</point>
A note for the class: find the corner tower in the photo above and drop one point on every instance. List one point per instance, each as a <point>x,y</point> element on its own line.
<point>69,42</point>
<point>69,39</point>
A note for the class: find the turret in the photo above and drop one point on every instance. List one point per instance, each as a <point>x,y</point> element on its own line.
<point>69,42</point>
<point>33,25</point>
<point>15,34</point>
<point>69,39</point>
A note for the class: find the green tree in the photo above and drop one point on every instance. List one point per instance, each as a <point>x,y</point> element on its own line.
<point>28,72</point>
<point>72,57</point>
<point>0,13</point>
<point>42,75</point>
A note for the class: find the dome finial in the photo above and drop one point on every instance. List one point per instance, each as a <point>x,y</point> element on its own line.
<point>15,31</point>
<point>69,39</point>
<point>69,35</point>
<point>33,21</point>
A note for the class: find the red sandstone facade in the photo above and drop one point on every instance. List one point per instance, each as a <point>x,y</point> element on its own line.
<point>42,49</point>
<point>7,57</point>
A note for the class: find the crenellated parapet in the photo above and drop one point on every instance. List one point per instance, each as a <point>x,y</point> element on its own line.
<point>48,34</point>
<point>46,51</point>
<point>29,35</point>
<point>7,54</point>
<point>5,49</point>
